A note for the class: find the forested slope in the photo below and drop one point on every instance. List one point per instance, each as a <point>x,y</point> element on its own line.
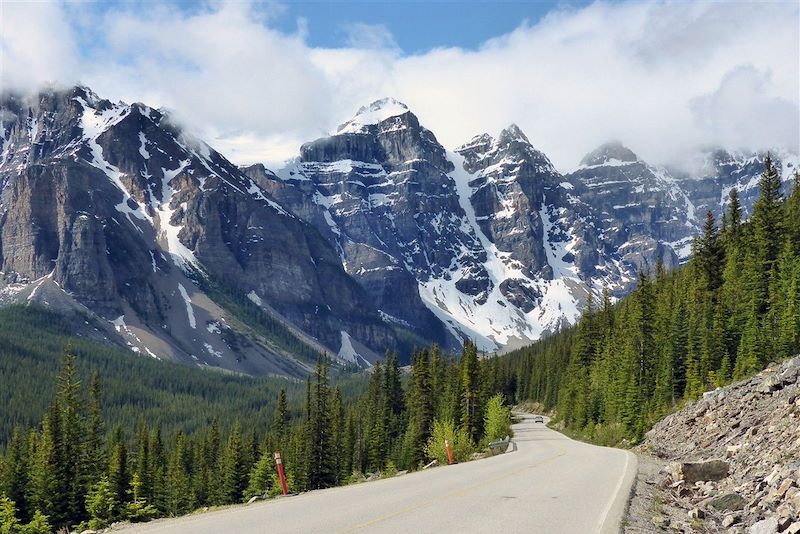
<point>734,308</point>
<point>137,388</point>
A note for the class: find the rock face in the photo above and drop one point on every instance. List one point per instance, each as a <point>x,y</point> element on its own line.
<point>755,426</point>
<point>376,237</point>
<point>474,240</point>
<point>122,211</point>
<point>488,240</point>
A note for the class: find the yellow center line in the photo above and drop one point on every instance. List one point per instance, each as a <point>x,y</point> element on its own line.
<point>455,493</point>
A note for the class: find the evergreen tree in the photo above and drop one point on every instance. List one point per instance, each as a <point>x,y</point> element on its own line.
<point>46,491</point>
<point>178,487</point>
<point>767,225</point>
<point>118,470</point>
<point>321,472</point>
<point>233,473</point>
<point>260,478</point>
<point>14,475</point>
<point>281,420</point>
<point>471,410</point>
<point>96,460</point>
<point>420,407</point>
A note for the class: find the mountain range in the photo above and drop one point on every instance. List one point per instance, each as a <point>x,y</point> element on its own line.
<point>374,238</point>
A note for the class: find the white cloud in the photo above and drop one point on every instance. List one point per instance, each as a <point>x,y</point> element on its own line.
<point>663,77</point>
<point>369,36</point>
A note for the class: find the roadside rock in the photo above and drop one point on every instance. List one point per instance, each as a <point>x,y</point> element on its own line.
<point>730,462</point>
<point>691,472</point>
<point>728,502</point>
<point>767,526</point>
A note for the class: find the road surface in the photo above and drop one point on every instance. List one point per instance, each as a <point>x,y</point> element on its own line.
<point>548,484</point>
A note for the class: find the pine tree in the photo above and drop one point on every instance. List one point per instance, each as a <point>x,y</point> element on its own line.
<point>420,408</point>
<point>471,410</point>
<point>734,216</point>
<point>348,445</point>
<point>337,426</point>
<point>178,487</point>
<point>96,460</point>
<point>14,479</point>
<point>233,474</point>
<point>101,504</point>
<point>143,472</point>
<point>281,420</point>
<point>46,491</point>
<point>72,425</point>
<point>767,225</point>
<point>118,471</point>
<point>260,478</point>
<point>211,462</point>
<point>708,254</point>
<point>9,524</point>
<point>158,471</point>
<point>321,473</point>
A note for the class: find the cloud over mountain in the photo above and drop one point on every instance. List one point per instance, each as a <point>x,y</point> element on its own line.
<point>662,76</point>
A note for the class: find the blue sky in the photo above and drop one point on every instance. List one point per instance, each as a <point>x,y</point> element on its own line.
<point>414,26</point>
<point>256,79</point>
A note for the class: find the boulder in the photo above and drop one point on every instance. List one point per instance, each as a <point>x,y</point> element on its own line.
<point>728,502</point>
<point>692,472</point>
<point>729,520</point>
<point>765,526</point>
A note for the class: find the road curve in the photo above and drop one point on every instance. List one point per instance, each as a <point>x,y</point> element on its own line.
<point>548,484</point>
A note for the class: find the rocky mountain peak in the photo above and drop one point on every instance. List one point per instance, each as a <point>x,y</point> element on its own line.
<point>611,152</point>
<point>511,134</point>
<point>373,114</point>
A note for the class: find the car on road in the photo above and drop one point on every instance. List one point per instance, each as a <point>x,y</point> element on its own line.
<point>538,419</point>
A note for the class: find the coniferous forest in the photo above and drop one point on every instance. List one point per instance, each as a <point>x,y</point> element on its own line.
<point>726,315</point>
<point>86,458</point>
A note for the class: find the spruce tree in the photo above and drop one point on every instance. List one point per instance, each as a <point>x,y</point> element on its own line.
<point>233,472</point>
<point>321,471</point>
<point>118,470</point>
<point>14,479</point>
<point>420,407</point>
<point>767,225</point>
<point>471,410</point>
<point>281,420</point>
<point>178,487</point>
<point>95,447</point>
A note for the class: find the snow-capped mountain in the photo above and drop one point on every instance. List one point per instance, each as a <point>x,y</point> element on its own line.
<point>488,238</point>
<point>113,210</point>
<point>374,238</point>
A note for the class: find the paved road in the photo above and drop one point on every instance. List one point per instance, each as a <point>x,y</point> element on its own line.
<point>550,485</point>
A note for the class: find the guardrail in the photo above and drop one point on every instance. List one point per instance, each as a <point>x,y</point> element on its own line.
<point>499,447</point>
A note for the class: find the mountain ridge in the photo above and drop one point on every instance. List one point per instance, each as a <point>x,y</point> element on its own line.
<point>376,235</point>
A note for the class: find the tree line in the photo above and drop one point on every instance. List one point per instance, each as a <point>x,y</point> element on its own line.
<point>71,470</point>
<point>732,310</point>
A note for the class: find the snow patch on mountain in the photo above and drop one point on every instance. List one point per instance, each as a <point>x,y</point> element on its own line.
<point>254,298</point>
<point>375,113</point>
<point>189,309</point>
<point>347,352</point>
<point>494,322</point>
<point>94,123</point>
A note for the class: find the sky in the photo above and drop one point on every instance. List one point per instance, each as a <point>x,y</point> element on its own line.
<point>257,79</point>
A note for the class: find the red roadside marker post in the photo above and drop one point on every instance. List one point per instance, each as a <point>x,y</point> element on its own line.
<point>449,452</point>
<point>281,474</point>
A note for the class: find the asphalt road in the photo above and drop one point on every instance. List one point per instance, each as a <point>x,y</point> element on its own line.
<point>546,483</point>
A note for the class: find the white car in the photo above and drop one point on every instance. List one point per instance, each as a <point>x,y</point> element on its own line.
<point>538,419</point>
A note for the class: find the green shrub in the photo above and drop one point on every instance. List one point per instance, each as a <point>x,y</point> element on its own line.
<point>460,444</point>
<point>497,421</point>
